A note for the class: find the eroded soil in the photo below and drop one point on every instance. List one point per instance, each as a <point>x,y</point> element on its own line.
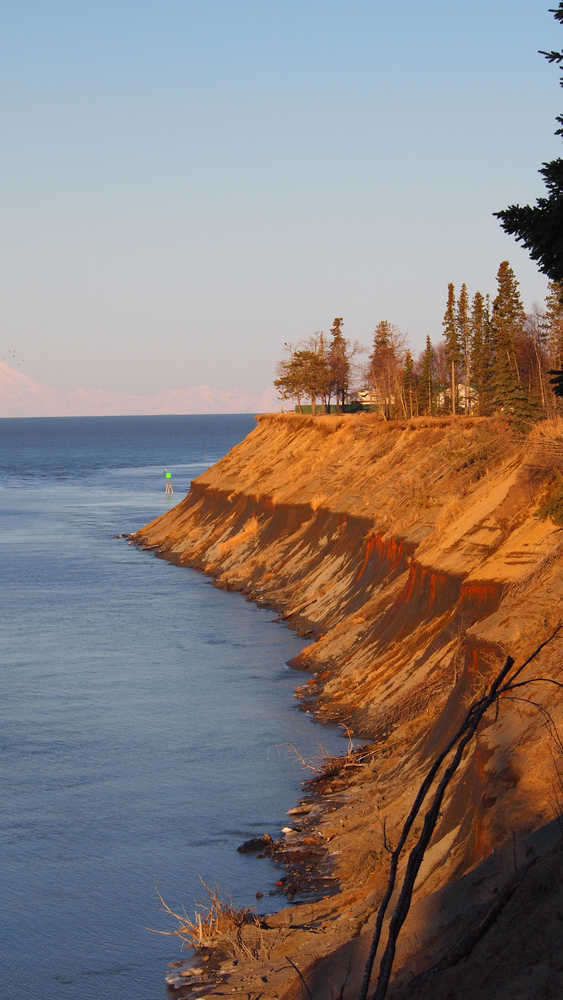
<point>414,555</point>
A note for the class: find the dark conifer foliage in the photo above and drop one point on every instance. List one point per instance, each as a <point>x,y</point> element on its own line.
<point>480,354</point>
<point>425,379</point>
<point>453,353</point>
<point>339,361</point>
<point>409,386</point>
<point>381,363</point>
<point>556,56</point>
<point>508,325</point>
<point>540,227</point>
<point>557,382</point>
<point>464,341</point>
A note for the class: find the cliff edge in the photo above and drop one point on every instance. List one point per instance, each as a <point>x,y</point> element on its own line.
<point>418,555</point>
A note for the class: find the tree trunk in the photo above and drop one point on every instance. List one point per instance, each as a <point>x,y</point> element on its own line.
<point>540,374</point>
<point>453,388</point>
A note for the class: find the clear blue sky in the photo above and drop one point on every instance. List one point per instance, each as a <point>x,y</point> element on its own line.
<point>188,184</point>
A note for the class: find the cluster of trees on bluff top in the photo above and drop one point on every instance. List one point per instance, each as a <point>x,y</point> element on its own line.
<point>492,356</point>
<point>318,368</point>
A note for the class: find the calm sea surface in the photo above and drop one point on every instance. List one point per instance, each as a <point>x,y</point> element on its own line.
<point>145,716</point>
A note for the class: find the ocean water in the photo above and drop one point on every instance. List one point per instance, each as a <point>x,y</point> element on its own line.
<point>146,717</point>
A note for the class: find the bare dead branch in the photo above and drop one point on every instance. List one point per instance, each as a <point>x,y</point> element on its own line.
<point>533,680</point>
<point>309,764</point>
<point>550,721</point>
<point>535,653</point>
<point>415,809</point>
<point>301,976</point>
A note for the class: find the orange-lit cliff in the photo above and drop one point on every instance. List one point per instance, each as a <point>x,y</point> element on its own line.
<point>414,555</point>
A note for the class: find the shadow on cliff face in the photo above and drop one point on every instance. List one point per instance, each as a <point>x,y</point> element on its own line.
<point>493,933</point>
<point>487,814</point>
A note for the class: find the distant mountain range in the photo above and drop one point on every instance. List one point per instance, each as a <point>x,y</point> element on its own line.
<point>22,396</point>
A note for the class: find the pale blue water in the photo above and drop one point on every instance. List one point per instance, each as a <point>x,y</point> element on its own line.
<point>145,716</point>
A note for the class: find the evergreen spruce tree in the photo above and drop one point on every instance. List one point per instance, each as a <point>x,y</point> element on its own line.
<point>339,361</point>
<point>452,343</point>
<point>507,324</point>
<point>382,364</point>
<point>409,385</point>
<point>425,379</point>
<point>488,359</point>
<point>464,340</point>
<point>322,352</point>
<point>479,351</point>
<point>539,227</point>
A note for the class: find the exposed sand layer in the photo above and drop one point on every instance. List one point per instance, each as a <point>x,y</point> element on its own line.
<point>414,555</point>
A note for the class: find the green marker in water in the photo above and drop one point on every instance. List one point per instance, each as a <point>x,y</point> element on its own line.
<point>169,490</point>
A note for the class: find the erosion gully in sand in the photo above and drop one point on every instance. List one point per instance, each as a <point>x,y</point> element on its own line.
<point>413,555</point>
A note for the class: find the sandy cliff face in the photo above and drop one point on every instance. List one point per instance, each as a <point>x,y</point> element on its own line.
<point>414,555</point>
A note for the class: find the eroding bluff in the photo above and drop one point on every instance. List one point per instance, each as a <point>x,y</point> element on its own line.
<point>417,555</point>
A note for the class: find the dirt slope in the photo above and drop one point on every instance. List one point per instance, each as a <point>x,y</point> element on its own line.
<point>414,555</point>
